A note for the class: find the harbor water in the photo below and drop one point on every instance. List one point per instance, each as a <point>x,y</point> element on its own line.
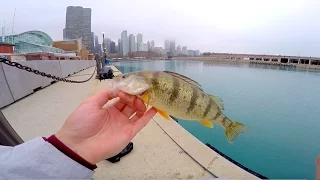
<point>280,106</point>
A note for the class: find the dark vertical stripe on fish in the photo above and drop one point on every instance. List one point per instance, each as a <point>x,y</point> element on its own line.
<point>217,115</point>
<point>193,100</point>
<point>175,91</point>
<point>209,105</point>
<point>155,80</point>
<point>224,121</point>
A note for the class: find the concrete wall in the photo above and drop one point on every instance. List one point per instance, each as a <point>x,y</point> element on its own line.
<point>16,84</point>
<point>5,94</point>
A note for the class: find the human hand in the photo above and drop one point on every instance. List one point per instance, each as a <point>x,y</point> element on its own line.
<point>96,132</point>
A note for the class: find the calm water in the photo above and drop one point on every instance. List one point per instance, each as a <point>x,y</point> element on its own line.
<point>279,105</point>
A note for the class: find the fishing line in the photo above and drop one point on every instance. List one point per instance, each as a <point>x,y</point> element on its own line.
<point>185,150</point>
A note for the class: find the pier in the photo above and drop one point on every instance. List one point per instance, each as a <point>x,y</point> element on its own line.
<point>276,60</point>
<point>163,149</point>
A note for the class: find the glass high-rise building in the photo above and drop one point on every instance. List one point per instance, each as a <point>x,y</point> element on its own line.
<point>167,45</point>
<point>185,50</point>
<point>172,47</point>
<point>132,43</point>
<point>92,42</point>
<point>119,47</point>
<point>179,49</point>
<point>125,43</point>
<point>139,42</point>
<point>113,47</point>
<point>78,24</point>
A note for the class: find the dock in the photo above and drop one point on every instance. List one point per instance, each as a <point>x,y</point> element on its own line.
<point>162,150</point>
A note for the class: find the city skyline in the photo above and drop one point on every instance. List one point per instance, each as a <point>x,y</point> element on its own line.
<point>286,27</point>
<point>128,45</point>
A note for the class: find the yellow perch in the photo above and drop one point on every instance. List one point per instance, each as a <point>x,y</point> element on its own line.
<point>175,95</point>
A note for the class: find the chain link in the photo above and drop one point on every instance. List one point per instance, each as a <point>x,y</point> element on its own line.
<point>20,66</point>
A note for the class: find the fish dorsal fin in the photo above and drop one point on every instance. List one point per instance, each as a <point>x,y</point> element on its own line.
<point>188,80</point>
<point>218,101</point>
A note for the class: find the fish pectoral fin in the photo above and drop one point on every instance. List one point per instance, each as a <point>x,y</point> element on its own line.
<point>146,98</point>
<point>206,123</point>
<point>174,118</point>
<point>163,114</point>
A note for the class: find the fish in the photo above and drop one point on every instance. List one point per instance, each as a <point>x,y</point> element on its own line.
<point>174,95</point>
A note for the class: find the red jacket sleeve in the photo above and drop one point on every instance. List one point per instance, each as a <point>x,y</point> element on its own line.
<point>68,152</point>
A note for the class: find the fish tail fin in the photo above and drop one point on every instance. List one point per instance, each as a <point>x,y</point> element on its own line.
<point>234,130</point>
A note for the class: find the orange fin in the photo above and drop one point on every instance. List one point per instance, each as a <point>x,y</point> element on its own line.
<point>164,114</point>
<point>146,98</point>
<point>206,123</point>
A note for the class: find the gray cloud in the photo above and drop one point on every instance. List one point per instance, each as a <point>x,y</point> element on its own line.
<point>247,26</point>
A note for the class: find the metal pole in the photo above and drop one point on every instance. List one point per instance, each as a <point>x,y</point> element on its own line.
<point>103,63</point>
<point>8,136</point>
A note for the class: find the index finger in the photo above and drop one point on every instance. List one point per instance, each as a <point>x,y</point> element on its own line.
<point>143,121</point>
<point>102,97</point>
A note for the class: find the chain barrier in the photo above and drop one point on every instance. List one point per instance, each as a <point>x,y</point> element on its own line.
<point>37,72</point>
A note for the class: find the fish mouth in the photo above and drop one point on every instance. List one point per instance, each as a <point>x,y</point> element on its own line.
<point>143,92</point>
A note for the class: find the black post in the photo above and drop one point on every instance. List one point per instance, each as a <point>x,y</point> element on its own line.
<point>8,136</point>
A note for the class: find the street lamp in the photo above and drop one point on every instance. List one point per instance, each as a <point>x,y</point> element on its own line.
<point>103,45</point>
<point>101,60</point>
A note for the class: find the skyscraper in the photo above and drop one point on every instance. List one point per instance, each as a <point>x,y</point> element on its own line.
<point>117,49</point>
<point>152,44</point>
<point>197,53</point>
<point>185,50</point>
<point>167,45</point>
<point>92,42</point>
<point>78,24</point>
<point>179,49</point>
<point>149,45</point>
<point>119,46</point>
<point>97,46</point>
<point>132,43</point>
<point>113,47</point>
<point>125,43</point>
<point>107,42</point>
<point>172,47</point>
<point>144,47</point>
<point>139,42</point>
<point>96,40</point>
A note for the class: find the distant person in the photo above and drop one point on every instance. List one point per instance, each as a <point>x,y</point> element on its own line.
<point>92,133</point>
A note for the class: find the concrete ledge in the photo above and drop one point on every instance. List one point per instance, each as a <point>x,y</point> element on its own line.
<point>16,83</point>
<point>212,161</point>
<point>68,67</point>
<point>22,83</point>
<point>5,94</point>
<point>49,67</point>
<point>82,65</point>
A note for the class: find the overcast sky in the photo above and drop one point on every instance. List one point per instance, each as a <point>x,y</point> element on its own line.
<point>285,27</point>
